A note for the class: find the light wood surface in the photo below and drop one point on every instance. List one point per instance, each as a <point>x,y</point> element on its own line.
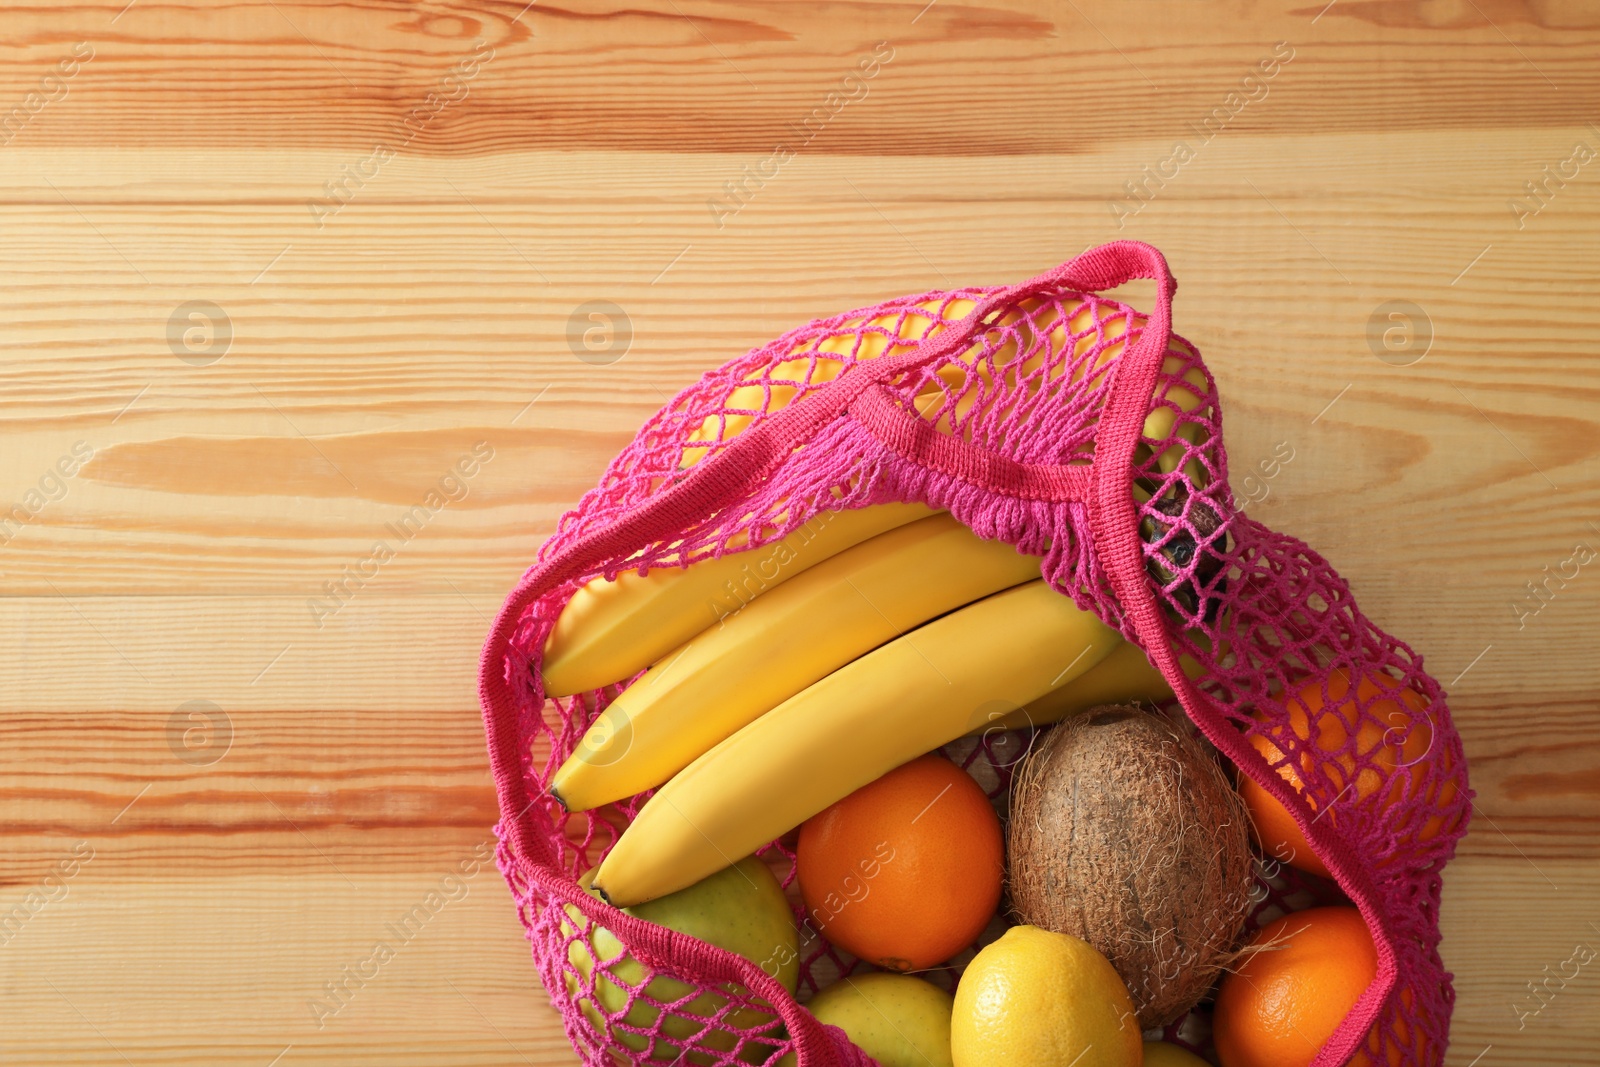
<point>185,161</point>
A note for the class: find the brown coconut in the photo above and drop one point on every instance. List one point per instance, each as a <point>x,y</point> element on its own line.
<point>1125,832</point>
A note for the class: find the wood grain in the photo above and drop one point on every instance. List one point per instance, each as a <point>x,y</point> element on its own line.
<point>397,274</point>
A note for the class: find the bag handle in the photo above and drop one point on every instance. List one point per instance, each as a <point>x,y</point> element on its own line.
<point>913,438</point>
<point>755,453</point>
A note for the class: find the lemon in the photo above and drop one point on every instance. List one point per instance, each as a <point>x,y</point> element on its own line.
<point>1161,1054</point>
<point>1041,999</point>
<point>898,1020</point>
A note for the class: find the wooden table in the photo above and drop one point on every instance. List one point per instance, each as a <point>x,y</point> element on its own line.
<point>272,268</point>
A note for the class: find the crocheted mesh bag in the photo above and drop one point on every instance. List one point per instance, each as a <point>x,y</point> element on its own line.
<point>1070,426</point>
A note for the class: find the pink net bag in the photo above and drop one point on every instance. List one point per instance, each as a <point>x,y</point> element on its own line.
<point>1026,412</point>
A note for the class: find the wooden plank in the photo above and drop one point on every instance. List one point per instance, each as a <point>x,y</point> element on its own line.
<point>976,77</point>
<point>237,783</point>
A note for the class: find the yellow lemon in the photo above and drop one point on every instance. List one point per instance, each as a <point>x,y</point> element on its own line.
<point>898,1020</point>
<point>1041,999</point>
<point>1161,1054</point>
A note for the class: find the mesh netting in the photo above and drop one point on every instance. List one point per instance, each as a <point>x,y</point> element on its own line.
<point>1071,426</point>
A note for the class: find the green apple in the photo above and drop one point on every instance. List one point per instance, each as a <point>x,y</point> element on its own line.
<point>898,1020</point>
<point>740,908</point>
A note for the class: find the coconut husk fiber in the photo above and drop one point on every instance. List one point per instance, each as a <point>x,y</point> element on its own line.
<point>1126,832</point>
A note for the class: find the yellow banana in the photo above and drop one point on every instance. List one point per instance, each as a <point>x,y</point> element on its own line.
<point>1187,394</point>
<point>887,707</point>
<point>610,631</point>
<point>734,672</point>
<point>818,364</point>
<point>823,361</point>
<point>1123,676</point>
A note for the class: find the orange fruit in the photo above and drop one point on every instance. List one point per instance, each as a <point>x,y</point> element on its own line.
<point>1283,1003</point>
<point>1279,836</point>
<point>904,872</point>
<point>1407,1034</point>
<point>1386,747</point>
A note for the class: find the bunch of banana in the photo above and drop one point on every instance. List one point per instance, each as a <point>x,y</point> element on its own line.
<point>777,681</point>
<point>750,662</point>
<point>612,630</point>
<point>902,699</point>
<point>825,682</point>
